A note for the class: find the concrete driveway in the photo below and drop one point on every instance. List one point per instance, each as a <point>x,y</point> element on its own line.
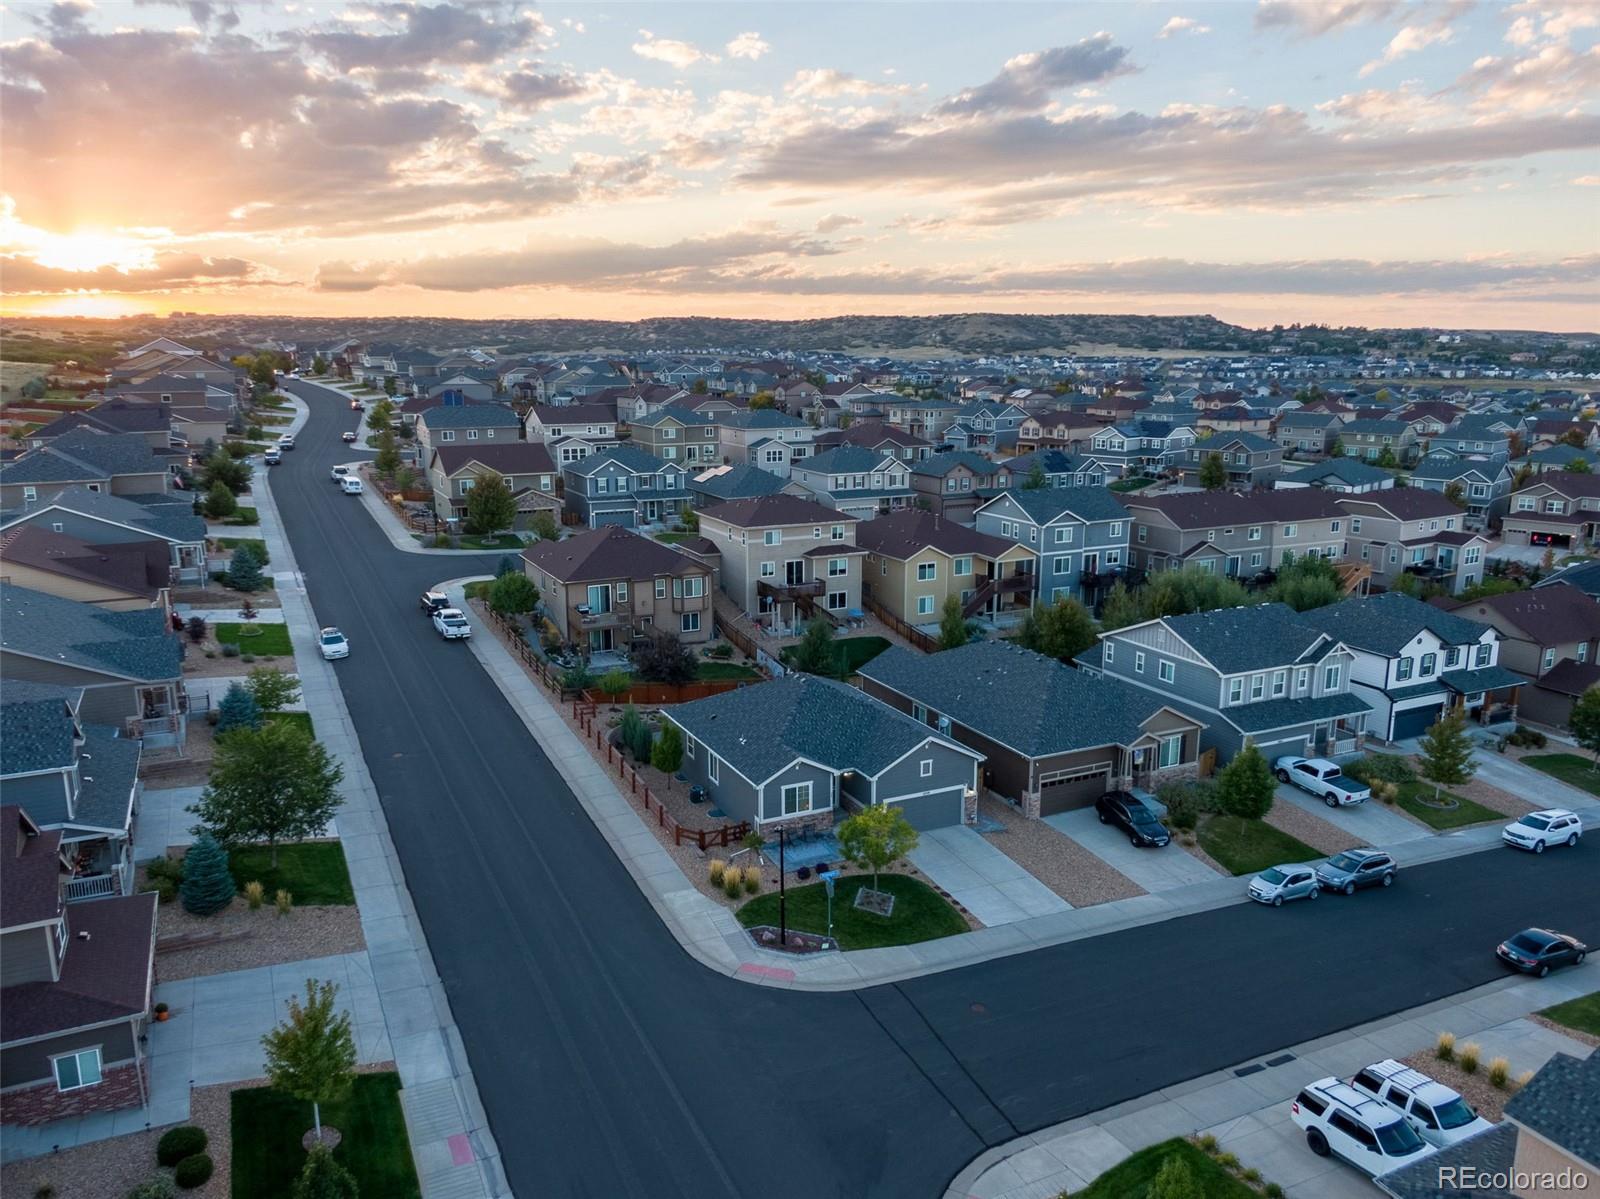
<point>1153,869</point>
<point>982,879</point>
<point>1535,786</point>
<point>1374,823</point>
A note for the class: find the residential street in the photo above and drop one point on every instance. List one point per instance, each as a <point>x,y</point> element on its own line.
<point>612,1064</point>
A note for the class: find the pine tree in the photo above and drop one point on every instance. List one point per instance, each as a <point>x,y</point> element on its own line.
<point>953,631</point>
<point>237,710</point>
<point>1245,785</point>
<point>1213,474</point>
<point>1036,479</point>
<point>1445,759</point>
<point>244,571</point>
<point>322,1177</point>
<point>207,886</point>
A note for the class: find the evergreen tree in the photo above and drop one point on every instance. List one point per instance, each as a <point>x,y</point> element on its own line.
<point>1245,785</point>
<point>1213,473</point>
<point>207,886</point>
<point>380,416</point>
<point>507,566</point>
<point>1585,721</point>
<point>319,365</point>
<point>1445,759</point>
<point>513,594</point>
<point>388,459</point>
<point>490,505</point>
<point>815,653</point>
<point>953,631</point>
<point>219,502</point>
<point>237,710</point>
<point>322,1177</point>
<point>244,571</point>
<point>1336,448</point>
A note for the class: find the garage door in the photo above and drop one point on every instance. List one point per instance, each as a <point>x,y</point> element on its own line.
<point>613,518</point>
<point>1413,722</point>
<point>940,810</point>
<point>1073,789</point>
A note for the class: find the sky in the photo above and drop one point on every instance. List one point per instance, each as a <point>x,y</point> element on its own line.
<point>1369,162</point>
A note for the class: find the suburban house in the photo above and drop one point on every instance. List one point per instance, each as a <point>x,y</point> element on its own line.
<point>875,435</point>
<point>1560,457</point>
<point>1062,430</point>
<point>1238,535</point>
<point>453,471</point>
<point>786,559</point>
<point>1485,482</point>
<point>1053,738</point>
<point>1141,447</point>
<point>860,482</point>
<point>677,435</point>
<point>129,664</point>
<point>606,587</point>
<point>1057,468</point>
<point>1407,530</point>
<point>1548,431</point>
<point>99,518</point>
<point>1559,509</point>
<point>1302,433</point>
<point>152,422</point>
<point>1486,435</point>
<point>1260,674</point>
<point>1345,475</point>
<point>764,437</point>
<point>1367,439</point>
<point>718,484</point>
<point>1414,662</point>
<point>1080,534</point>
<point>112,463</point>
<point>465,424</point>
<point>953,485</point>
<point>1585,576</point>
<point>1250,459</point>
<point>571,431</point>
<point>799,751</point>
<point>1541,628</point>
<point>926,418</point>
<point>75,985</point>
<point>119,575</point>
<point>81,779</point>
<point>916,560</point>
<point>623,485</point>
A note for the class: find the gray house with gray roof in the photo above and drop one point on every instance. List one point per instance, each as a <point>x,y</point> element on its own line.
<point>1080,534</point>
<point>99,518</point>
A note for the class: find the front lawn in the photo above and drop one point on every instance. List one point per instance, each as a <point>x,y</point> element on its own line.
<point>301,720</point>
<point>675,538</point>
<point>268,583</point>
<point>1131,1179</point>
<point>494,541</point>
<point>920,914</point>
<point>314,872</point>
<point>1465,812</point>
<point>266,1127</point>
<point>710,672</point>
<point>1581,1014</point>
<point>1572,769</point>
<point>1130,484</point>
<point>254,638</point>
<point>852,653</point>
<point>255,543</point>
<point>243,516</point>
<point>1242,846</point>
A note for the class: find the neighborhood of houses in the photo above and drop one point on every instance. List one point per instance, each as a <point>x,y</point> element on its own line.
<point>911,526</point>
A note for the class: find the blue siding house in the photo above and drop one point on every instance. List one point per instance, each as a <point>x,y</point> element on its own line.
<point>624,486</point>
<point>1079,533</point>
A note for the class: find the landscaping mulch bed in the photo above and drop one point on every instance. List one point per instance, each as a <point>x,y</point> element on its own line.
<point>246,939</point>
<point>1074,873</point>
<point>162,769</point>
<point>1320,834</point>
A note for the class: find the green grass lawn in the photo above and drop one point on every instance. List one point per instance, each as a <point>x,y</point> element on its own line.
<point>267,584</point>
<point>243,516</point>
<point>1582,1014</point>
<point>1572,769</point>
<point>496,541</point>
<point>675,538</point>
<point>1247,846</point>
<point>266,1127</point>
<point>854,652</point>
<point>255,543</point>
<point>301,720</point>
<point>263,639</point>
<point>1464,813</point>
<point>1131,484</point>
<point>1131,1178</point>
<point>312,871</point>
<point>919,913</point>
<point>710,672</point>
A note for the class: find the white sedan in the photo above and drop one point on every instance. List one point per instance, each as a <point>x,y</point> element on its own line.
<point>1537,831</point>
<point>333,644</point>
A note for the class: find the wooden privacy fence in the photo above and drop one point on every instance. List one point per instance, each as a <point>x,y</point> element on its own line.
<point>541,669</point>
<point>667,693</point>
<point>586,715</point>
<point>917,637</point>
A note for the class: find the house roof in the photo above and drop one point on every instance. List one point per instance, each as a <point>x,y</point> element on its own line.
<point>677,416</point>
<point>938,465</point>
<point>609,552</point>
<point>131,644</point>
<point>1547,615</point>
<point>843,460</point>
<point>84,454</point>
<point>906,533</point>
<point>761,418</point>
<point>29,887</point>
<point>768,511</point>
<point>36,727</point>
<point>742,481</point>
<point>1210,509</point>
<point>1250,638</point>
<point>470,416</point>
<point>1032,703</point>
<point>506,458</point>
<point>1387,623</point>
<point>1490,1153</point>
<point>760,730</point>
<point>136,568</point>
<point>1252,442</point>
<point>869,433</point>
<point>1280,713</point>
<point>640,462</point>
<point>575,414</point>
<point>1346,470</point>
<point>112,416</point>
<point>1585,576</point>
<point>167,516</point>
<point>109,767</point>
<point>1300,418</point>
<point>1045,504</point>
<point>1482,678</point>
<point>1405,503</point>
<point>1562,1104</point>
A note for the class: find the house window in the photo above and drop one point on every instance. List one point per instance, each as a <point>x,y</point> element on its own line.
<point>447,435</point>
<point>1402,669</point>
<point>1142,531</point>
<point>1258,687</point>
<point>689,622</point>
<point>1484,653</point>
<point>1289,532</point>
<point>1171,751</point>
<point>1452,657</point>
<point>1333,526</point>
<point>76,1070</point>
<point>30,494</point>
<point>694,586</point>
<point>1280,682</point>
<point>768,569</point>
<point>1330,677</point>
<point>713,766</point>
<point>926,766</point>
<point>837,601</point>
<point>918,712</point>
<point>1063,564</point>
<point>622,593</point>
<point>1255,558</point>
<point>963,566</point>
<point>1254,534</point>
<point>796,799</point>
<point>927,571</point>
<point>688,748</point>
<point>1429,663</point>
<point>661,589</point>
<point>924,605</point>
<point>1138,661</point>
<point>1235,691</point>
<point>1547,661</point>
<point>472,435</point>
<point>1471,555</point>
<point>837,533</point>
<point>1583,651</point>
<point>1165,671</point>
<point>1116,528</point>
<point>1355,524</point>
<point>1064,536</point>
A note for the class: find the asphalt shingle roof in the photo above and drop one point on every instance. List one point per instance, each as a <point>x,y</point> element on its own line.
<point>639,461</point>
<point>843,460</point>
<point>743,481</point>
<point>1346,470</point>
<point>109,769</point>
<point>469,416</point>
<point>942,464</point>
<point>768,511</point>
<point>1484,678</point>
<point>29,884</point>
<point>1490,1153</point>
<point>1548,615</point>
<point>1235,640</point>
<point>84,454</point>
<point>1034,704</point>
<point>608,552</point>
<point>132,644</point>
<point>1585,576</point>
<point>35,727</point>
<point>903,534</point>
<point>1386,624</point>
<point>1045,504</point>
<point>1281,713</point>
<point>1562,1104</point>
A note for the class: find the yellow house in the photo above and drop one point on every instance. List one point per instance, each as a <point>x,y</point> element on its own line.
<point>916,560</point>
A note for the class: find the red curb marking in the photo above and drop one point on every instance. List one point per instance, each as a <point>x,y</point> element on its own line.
<point>767,971</point>
<point>461,1149</point>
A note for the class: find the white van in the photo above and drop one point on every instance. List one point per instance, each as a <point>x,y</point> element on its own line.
<point>350,485</point>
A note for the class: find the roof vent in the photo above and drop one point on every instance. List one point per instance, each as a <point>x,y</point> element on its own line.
<point>84,935</point>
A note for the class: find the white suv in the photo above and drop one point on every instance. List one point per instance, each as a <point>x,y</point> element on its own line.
<point>1440,1116</point>
<point>1540,830</point>
<point>1364,1133</point>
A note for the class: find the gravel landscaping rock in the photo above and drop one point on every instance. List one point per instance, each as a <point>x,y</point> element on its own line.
<point>1474,1088</point>
<point>1312,829</point>
<point>1057,861</point>
<point>267,939</point>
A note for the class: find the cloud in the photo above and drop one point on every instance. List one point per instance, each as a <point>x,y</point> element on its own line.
<point>529,89</point>
<point>674,53</point>
<point>1408,41</point>
<point>1026,82</point>
<point>167,272</point>
<point>446,33</point>
<point>1553,77</point>
<point>747,45</point>
<point>1176,25</point>
<point>1587,181</point>
<point>1313,18</point>
<point>835,221</point>
<point>825,83</point>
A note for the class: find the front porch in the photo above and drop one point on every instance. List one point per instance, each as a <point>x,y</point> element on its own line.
<point>102,867</point>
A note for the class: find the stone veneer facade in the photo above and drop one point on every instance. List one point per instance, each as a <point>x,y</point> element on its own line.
<point>42,1102</point>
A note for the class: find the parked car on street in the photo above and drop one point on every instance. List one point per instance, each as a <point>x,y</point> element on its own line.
<point>1356,868</point>
<point>339,473</point>
<point>451,624</point>
<point>272,457</point>
<point>1538,951</point>
<point>1134,817</point>
<point>333,644</point>
<point>356,405</point>
<point>432,601</point>
<point>1276,884</point>
<point>286,442</point>
<point>1536,831</point>
<point>350,485</point>
<point>1321,778</point>
<point>348,435</point>
<point>1359,1130</point>
<point>1440,1115</point>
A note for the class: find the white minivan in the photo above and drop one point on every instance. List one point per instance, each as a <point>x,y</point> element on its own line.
<point>350,485</point>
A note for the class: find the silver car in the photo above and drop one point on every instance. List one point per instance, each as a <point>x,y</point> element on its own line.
<point>1278,883</point>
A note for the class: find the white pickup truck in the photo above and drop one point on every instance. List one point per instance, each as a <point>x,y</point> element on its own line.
<point>1323,779</point>
<point>451,624</point>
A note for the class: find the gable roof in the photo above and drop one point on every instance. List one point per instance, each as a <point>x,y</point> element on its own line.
<point>1562,1104</point>
<point>1405,503</point>
<point>506,458</point>
<point>1045,504</point>
<point>869,433</point>
<point>1344,470</point>
<point>609,552</point>
<point>761,418</point>
<point>640,462</point>
<point>741,481</point>
<point>1249,638</point>
<point>1387,623</point>
<point>1585,576</point>
<point>573,414</point>
<point>903,534</point>
<point>1252,442</point>
<point>768,511</point>
<point>137,568</point>
<point>469,416</point>
<point>84,453</point>
<point>29,885</point>
<point>129,644</point>
<point>169,517</point>
<point>845,459</point>
<point>939,465</point>
<point>1546,614</point>
<point>1210,509</point>
<point>36,727</point>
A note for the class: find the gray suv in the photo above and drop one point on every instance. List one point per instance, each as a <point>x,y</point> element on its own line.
<point>1356,868</point>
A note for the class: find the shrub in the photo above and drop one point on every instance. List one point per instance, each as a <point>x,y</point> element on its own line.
<point>752,880</point>
<point>179,1143</point>
<point>1445,1047</point>
<point>1207,1143</point>
<point>193,1171</point>
<point>195,626</point>
<point>441,541</point>
<point>44,1191</point>
<point>157,1187</point>
<point>1227,1161</point>
<point>230,650</point>
<point>1527,738</point>
<point>1387,768</point>
<point>1467,1058</point>
<point>207,886</point>
<point>283,901</point>
<point>1524,1079</point>
<point>1183,811</point>
<point>732,882</point>
<point>1250,1175</point>
<point>1499,1072</point>
<point>254,892</point>
<point>716,870</point>
<point>1272,1191</point>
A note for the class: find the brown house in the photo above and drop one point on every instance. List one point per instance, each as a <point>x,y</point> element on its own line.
<point>120,576</point>
<point>916,560</point>
<point>454,470</point>
<point>1540,628</point>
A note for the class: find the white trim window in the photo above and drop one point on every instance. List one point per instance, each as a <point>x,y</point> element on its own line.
<point>796,798</point>
<point>1166,672</point>
<point>1171,751</point>
<point>689,622</point>
<point>927,572</point>
<point>1236,691</point>
<point>1331,676</point>
<point>1138,661</point>
<point>926,768</point>
<point>713,767</point>
<point>78,1069</point>
<point>924,605</point>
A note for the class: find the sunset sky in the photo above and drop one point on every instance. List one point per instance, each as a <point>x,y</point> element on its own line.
<point>1353,161</point>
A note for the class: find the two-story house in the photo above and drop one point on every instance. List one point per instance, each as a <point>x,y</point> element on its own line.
<point>606,587</point>
<point>1485,482</point>
<point>120,464</point>
<point>1139,447</point>
<point>1305,434</point>
<point>875,435</point>
<point>764,437</point>
<point>860,482</point>
<point>1058,468</point>
<point>1258,674</point>
<point>465,424</point>
<point>1559,509</point>
<point>120,575</point>
<point>1542,629</point>
<point>1238,535</point>
<point>1407,530</point>
<point>916,560</point>
<point>571,431</point>
<point>678,435</point>
<point>454,470</point>
<point>1415,662</point>
<point>99,518</point>
<point>954,484</point>
<point>1069,429</point>
<point>152,422</point>
<point>1079,533</point>
<point>1053,738</point>
<point>1368,439</point>
<point>1486,435</point>
<point>712,485</point>
<point>925,418</point>
<point>1249,459</point>
<point>786,559</point>
<point>624,486</point>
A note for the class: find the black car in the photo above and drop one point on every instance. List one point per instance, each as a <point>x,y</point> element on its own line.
<point>1538,951</point>
<point>1133,816</point>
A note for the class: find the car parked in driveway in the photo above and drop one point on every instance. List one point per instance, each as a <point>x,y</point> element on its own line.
<point>1538,951</point>
<point>1321,778</point>
<point>1134,817</point>
<point>1354,869</point>
<point>333,644</point>
<point>1276,884</point>
<point>1440,1115</point>
<point>1537,831</point>
<point>1340,1121</point>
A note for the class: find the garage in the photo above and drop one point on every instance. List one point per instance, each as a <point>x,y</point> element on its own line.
<point>1413,722</point>
<point>1065,790</point>
<point>623,518</point>
<point>939,810</point>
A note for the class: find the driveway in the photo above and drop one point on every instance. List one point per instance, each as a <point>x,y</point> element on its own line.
<point>1153,869</point>
<point>982,879</point>
<point>1535,786</point>
<point>1374,823</point>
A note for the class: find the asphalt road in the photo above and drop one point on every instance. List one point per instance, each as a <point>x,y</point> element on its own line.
<point>612,1064</point>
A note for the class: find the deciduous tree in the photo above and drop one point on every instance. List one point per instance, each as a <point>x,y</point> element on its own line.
<point>876,836</point>
<point>665,659</point>
<point>1584,722</point>
<point>667,756</point>
<point>269,784</point>
<point>1061,630</point>
<point>312,1054</point>
<point>490,505</point>
<point>272,689</point>
<point>815,653</point>
<point>219,502</point>
<point>1445,759</point>
<point>513,595</point>
<point>388,459</point>
<point>1245,785</point>
<point>1213,473</point>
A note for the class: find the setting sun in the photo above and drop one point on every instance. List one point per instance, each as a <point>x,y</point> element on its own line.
<point>90,251</point>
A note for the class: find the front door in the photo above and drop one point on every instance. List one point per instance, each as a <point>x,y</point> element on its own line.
<point>652,510</point>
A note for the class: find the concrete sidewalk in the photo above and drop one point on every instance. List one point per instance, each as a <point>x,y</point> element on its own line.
<point>982,879</point>
<point>1246,1107</point>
